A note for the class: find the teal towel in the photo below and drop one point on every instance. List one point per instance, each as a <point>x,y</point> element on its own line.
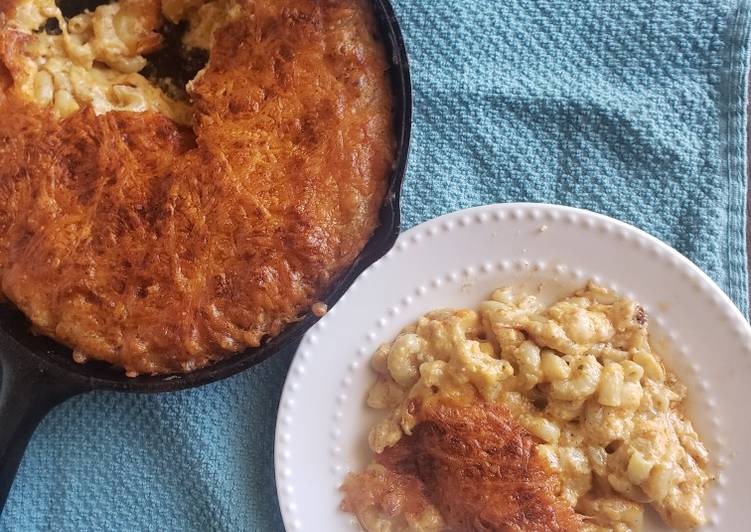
<point>634,109</point>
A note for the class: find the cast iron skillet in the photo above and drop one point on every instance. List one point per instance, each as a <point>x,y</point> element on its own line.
<point>38,373</point>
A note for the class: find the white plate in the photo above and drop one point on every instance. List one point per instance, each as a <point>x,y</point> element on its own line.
<point>457,260</point>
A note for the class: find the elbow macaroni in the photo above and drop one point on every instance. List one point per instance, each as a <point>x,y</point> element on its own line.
<point>581,376</point>
<point>101,53</point>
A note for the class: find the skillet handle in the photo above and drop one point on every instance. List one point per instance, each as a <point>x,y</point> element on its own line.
<point>29,389</point>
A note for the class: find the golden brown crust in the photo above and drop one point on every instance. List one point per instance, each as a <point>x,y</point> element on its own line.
<point>11,53</point>
<point>480,469</point>
<point>391,493</point>
<point>162,249</point>
<point>144,39</point>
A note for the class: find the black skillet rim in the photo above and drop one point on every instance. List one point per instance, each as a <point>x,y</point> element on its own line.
<point>55,359</point>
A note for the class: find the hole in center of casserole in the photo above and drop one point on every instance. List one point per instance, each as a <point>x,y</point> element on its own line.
<point>129,55</point>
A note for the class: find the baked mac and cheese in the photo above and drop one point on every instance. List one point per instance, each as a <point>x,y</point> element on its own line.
<point>166,230</point>
<point>580,375</point>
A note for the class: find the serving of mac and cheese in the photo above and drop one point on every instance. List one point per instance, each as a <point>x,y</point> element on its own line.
<point>580,377</point>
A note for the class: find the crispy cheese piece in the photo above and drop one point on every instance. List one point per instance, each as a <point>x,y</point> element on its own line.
<point>476,465</point>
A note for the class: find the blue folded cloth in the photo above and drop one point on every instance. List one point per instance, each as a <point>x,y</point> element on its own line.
<point>633,109</point>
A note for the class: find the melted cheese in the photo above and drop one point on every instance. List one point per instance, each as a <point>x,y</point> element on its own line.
<point>96,58</point>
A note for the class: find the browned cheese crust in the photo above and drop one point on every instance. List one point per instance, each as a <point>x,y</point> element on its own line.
<point>476,465</point>
<point>160,248</point>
